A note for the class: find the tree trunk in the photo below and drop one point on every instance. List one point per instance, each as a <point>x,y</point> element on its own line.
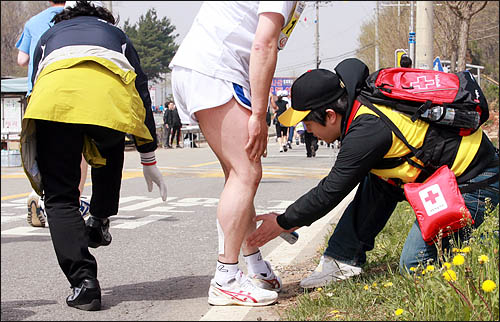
<point>462,43</point>
<point>453,63</point>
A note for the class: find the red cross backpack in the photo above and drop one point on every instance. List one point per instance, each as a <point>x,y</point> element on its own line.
<point>452,100</point>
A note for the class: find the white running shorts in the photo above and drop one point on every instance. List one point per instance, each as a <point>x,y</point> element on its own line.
<point>195,91</point>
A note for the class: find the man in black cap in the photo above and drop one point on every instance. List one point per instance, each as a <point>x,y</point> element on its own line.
<point>371,156</point>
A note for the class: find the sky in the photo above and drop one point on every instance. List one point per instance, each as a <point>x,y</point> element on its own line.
<point>339,27</point>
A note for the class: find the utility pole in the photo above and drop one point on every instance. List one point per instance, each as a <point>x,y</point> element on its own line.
<point>376,39</point>
<point>108,5</point>
<point>411,36</point>
<point>425,48</point>
<point>317,35</point>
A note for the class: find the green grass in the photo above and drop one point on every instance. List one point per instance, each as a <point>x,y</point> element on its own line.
<point>423,296</point>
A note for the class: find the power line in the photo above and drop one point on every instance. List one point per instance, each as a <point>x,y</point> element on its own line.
<point>296,66</point>
<point>343,55</point>
<point>349,53</point>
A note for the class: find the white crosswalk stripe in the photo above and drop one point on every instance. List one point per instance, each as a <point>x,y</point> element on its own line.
<point>26,231</point>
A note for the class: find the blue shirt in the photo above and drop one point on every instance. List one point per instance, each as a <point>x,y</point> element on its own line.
<point>33,30</point>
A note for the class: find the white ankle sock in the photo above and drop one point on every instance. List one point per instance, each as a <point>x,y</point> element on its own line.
<point>256,264</point>
<point>225,272</point>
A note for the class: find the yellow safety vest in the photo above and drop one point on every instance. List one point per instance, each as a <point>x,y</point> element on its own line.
<point>415,134</point>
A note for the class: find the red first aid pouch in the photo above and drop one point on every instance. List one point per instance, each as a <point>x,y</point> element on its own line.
<point>438,204</point>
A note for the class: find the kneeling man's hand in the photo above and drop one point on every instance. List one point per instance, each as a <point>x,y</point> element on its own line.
<point>268,230</point>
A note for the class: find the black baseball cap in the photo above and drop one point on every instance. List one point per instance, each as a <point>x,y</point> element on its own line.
<point>312,90</point>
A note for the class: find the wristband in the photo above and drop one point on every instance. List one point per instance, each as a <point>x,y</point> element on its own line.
<point>148,158</point>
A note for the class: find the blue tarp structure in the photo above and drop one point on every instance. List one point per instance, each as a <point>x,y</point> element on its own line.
<point>15,85</point>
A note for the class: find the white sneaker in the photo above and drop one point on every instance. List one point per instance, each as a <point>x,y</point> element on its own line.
<point>240,291</point>
<point>271,283</point>
<point>36,214</point>
<point>329,270</point>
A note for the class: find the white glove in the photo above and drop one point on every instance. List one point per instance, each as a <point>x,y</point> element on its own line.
<point>152,174</point>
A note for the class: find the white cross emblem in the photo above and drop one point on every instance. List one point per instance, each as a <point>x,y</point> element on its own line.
<point>421,82</point>
<point>433,200</point>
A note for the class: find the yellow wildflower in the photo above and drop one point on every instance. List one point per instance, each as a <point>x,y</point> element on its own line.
<point>398,312</point>
<point>482,259</point>
<point>458,260</point>
<point>455,250</point>
<point>450,275</point>
<point>430,268</point>
<point>447,265</point>
<point>388,284</point>
<point>413,269</point>
<point>337,316</point>
<point>366,287</point>
<point>423,272</point>
<point>465,250</point>
<point>319,289</point>
<point>374,284</point>
<point>488,286</point>
<point>334,311</point>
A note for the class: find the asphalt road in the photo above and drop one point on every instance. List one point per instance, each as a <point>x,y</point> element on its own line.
<point>162,257</point>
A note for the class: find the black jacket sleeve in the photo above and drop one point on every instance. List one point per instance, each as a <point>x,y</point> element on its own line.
<point>141,84</point>
<point>166,118</point>
<point>366,143</point>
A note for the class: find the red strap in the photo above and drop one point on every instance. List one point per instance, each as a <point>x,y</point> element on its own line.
<point>392,182</point>
<point>355,108</point>
<point>148,163</point>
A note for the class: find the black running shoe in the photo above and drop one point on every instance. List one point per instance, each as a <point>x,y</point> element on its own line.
<point>86,296</point>
<point>98,232</point>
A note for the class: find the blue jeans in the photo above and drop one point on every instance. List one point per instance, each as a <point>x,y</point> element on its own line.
<point>372,207</point>
<point>291,129</point>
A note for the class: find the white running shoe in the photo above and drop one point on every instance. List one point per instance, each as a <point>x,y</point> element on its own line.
<point>271,283</point>
<point>240,291</point>
<point>36,214</point>
<point>329,270</point>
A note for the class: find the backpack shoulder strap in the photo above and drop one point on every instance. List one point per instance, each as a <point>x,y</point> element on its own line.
<point>395,130</point>
<point>354,110</point>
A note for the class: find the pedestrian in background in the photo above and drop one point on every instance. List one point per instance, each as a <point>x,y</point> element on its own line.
<point>291,129</point>
<point>405,61</point>
<point>166,126</point>
<point>89,90</point>
<point>311,142</point>
<point>281,131</point>
<point>175,124</point>
<point>230,52</point>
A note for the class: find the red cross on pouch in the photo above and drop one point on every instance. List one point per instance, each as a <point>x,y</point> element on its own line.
<point>422,83</point>
<point>432,197</point>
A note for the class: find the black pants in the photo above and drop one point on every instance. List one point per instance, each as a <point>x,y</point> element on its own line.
<point>168,131</point>
<point>59,147</point>
<point>281,130</point>
<point>311,143</point>
<point>176,130</point>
